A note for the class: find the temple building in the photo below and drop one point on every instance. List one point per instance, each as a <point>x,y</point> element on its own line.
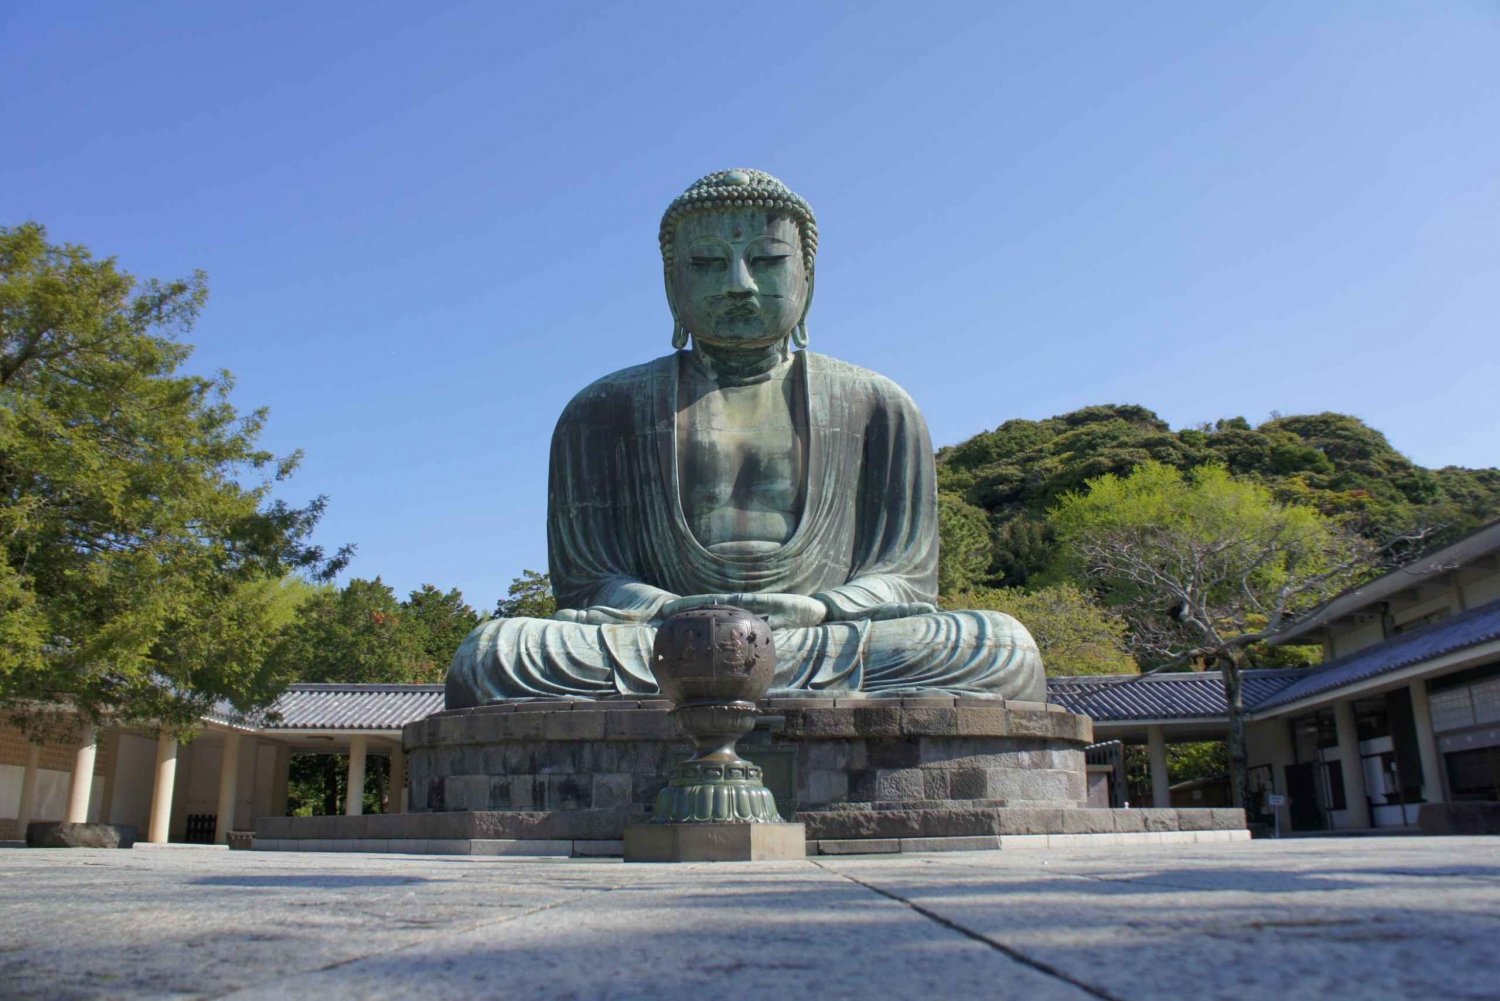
<point>233,770</point>
<point>1403,715</point>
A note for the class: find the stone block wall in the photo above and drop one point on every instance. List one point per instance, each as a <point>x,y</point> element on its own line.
<point>823,754</point>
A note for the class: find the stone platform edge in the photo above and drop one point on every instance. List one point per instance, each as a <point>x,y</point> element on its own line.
<point>536,848</point>
<point>829,825</point>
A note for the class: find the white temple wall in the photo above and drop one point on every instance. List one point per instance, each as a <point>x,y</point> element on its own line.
<point>1482,590</point>
<point>135,765</point>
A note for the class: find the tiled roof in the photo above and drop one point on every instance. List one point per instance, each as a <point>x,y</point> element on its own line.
<point>1171,695</point>
<point>225,713</point>
<point>352,707</point>
<point>1466,629</point>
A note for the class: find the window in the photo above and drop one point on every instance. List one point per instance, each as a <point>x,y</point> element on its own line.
<point>1421,620</point>
<point>1312,733</point>
<point>1452,709</point>
<point>1328,730</point>
<point>1474,774</point>
<point>1305,737</point>
<point>1334,774</point>
<point>1466,704</point>
<point>1486,696</point>
<point>1371,719</point>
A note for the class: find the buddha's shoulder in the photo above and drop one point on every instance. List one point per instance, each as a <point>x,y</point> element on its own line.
<point>621,388</point>
<point>849,376</point>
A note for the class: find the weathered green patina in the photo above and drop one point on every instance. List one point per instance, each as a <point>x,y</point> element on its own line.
<point>740,471</point>
<point>715,663</point>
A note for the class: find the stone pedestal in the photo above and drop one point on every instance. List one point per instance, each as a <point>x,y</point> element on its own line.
<point>918,774</point>
<point>714,842</point>
<point>819,756</point>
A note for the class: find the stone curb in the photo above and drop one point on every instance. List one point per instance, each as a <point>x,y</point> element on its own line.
<point>856,824</point>
<point>1017,842</point>
<point>959,821</point>
<point>555,848</point>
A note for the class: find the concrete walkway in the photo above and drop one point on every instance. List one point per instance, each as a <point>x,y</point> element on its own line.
<point>1346,918</point>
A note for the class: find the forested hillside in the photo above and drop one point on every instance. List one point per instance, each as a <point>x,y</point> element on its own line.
<point>997,486</point>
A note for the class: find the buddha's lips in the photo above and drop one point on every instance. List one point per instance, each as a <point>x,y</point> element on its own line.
<point>743,310</point>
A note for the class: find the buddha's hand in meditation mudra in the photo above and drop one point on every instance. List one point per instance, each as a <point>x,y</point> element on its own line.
<point>781,611</point>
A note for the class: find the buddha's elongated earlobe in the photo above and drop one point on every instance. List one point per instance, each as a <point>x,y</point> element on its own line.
<point>679,332</point>
<point>799,335</point>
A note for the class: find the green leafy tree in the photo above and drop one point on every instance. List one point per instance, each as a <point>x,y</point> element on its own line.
<point>1024,549</point>
<point>1199,760</point>
<point>529,596</point>
<point>1203,567</point>
<point>357,635</point>
<point>439,621</point>
<point>317,783</point>
<point>965,547</point>
<point>1074,633</point>
<point>143,553</point>
<point>1332,462</point>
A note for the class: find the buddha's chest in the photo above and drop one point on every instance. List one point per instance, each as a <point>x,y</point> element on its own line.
<point>741,455</point>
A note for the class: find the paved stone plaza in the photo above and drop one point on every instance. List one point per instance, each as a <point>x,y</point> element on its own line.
<point>1314,918</point>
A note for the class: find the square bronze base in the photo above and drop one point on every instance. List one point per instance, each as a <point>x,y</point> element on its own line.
<point>715,842</point>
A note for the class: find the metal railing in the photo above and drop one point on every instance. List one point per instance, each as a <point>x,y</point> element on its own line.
<point>1109,754</point>
<point>201,828</point>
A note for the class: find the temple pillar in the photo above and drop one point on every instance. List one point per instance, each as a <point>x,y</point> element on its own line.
<point>1427,750</point>
<point>28,787</point>
<point>397,793</point>
<point>161,794</point>
<point>82,785</point>
<point>354,795</point>
<point>1156,744</point>
<point>1351,766</point>
<point>229,773</point>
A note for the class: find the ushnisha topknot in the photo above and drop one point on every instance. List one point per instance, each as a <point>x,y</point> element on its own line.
<point>739,188</point>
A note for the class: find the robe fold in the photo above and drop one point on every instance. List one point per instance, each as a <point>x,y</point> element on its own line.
<point>619,543</point>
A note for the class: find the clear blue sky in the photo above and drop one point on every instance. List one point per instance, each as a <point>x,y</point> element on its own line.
<point>427,225</point>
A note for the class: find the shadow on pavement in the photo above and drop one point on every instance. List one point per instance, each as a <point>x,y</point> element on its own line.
<point>301,881</point>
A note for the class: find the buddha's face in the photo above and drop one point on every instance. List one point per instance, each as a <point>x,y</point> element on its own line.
<point>738,278</point>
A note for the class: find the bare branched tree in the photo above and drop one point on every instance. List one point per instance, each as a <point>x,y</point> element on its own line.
<point>1204,567</point>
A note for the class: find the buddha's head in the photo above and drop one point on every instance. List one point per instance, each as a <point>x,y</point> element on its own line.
<point>738,249</point>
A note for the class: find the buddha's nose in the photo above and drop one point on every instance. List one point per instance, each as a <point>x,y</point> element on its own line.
<point>739,277</point>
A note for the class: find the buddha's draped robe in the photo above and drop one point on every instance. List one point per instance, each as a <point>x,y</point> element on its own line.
<point>618,539</point>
